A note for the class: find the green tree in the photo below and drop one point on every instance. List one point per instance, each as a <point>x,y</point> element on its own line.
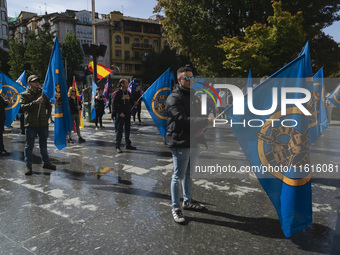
<point>265,48</point>
<point>4,58</point>
<point>38,52</point>
<point>72,55</point>
<point>156,64</point>
<point>16,58</point>
<point>195,27</point>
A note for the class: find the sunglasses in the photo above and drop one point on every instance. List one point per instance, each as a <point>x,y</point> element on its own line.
<point>188,78</point>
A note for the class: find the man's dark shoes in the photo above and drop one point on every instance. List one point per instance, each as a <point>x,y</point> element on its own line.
<point>130,147</point>
<point>119,150</point>
<point>4,153</point>
<point>28,171</point>
<point>81,140</point>
<point>193,205</point>
<point>49,166</point>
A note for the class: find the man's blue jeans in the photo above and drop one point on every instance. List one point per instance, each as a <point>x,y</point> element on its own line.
<point>183,158</point>
<point>31,133</point>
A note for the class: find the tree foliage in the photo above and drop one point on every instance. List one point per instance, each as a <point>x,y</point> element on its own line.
<point>16,58</point>
<point>158,63</point>
<point>38,52</point>
<point>195,27</point>
<point>265,48</point>
<point>4,58</point>
<point>72,55</point>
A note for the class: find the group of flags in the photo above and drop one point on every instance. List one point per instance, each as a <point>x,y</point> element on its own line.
<point>269,144</point>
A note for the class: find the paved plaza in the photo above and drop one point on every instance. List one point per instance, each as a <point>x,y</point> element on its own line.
<point>101,202</point>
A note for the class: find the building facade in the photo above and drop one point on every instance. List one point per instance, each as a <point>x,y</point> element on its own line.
<point>3,25</point>
<point>132,39</point>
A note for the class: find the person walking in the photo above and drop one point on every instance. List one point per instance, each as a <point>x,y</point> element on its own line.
<point>75,107</point>
<point>3,103</point>
<point>184,133</point>
<point>36,108</point>
<point>122,106</point>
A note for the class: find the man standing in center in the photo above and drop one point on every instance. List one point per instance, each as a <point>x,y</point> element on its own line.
<point>122,104</point>
<point>183,109</point>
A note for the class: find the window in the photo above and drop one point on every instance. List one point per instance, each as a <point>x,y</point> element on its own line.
<point>68,29</point>
<point>118,40</point>
<point>118,53</point>
<point>137,55</point>
<point>101,33</point>
<point>3,16</point>
<point>136,42</point>
<point>127,54</point>
<point>4,29</point>
<point>126,40</point>
<point>155,43</point>
<point>128,67</point>
<point>138,67</point>
<point>146,43</point>
<point>116,25</point>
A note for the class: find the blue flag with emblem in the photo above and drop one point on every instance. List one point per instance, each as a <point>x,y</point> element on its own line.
<point>321,113</point>
<point>155,98</point>
<point>334,97</point>
<point>279,141</point>
<point>94,92</point>
<point>22,80</point>
<point>10,90</point>
<point>55,88</point>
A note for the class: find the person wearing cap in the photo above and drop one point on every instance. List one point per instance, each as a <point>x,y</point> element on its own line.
<point>36,108</point>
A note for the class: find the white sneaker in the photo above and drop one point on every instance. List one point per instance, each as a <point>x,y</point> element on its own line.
<point>97,128</point>
<point>178,216</point>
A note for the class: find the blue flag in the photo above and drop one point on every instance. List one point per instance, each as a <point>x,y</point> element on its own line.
<point>22,80</point>
<point>55,88</point>
<point>107,91</point>
<point>132,86</point>
<point>249,82</point>
<point>155,99</point>
<point>320,106</point>
<point>11,91</point>
<point>94,92</point>
<point>271,146</point>
<point>334,97</point>
<point>172,80</point>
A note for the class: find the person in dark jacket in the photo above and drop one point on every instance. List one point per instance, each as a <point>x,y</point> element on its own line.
<point>184,133</point>
<point>37,110</point>
<point>3,103</point>
<point>75,107</point>
<point>99,106</point>
<point>137,109</point>
<point>122,105</point>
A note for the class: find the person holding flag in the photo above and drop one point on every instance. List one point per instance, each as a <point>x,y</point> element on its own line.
<point>75,107</point>
<point>36,108</point>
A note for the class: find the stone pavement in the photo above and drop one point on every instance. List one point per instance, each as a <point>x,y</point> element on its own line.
<point>101,202</point>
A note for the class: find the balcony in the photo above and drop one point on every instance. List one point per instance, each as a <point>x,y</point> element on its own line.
<point>141,46</point>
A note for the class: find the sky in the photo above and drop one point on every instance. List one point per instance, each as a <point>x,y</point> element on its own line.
<point>133,8</point>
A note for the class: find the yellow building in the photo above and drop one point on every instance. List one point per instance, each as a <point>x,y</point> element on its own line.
<point>132,39</point>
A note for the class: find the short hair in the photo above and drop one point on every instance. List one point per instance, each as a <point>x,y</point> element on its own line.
<point>120,82</point>
<point>183,69</point>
